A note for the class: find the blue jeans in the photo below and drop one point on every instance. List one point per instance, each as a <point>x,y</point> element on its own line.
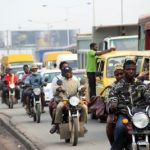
<point>119,135</point>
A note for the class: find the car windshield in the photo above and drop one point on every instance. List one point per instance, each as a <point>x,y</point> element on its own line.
<point>111,64</point>
<point>112,61</point>
<point>50,76</point>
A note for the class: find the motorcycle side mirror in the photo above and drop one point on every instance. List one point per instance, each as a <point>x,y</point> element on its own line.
<point>59,82</point>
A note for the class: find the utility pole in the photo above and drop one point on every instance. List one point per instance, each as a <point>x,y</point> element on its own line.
<point>7,42</point>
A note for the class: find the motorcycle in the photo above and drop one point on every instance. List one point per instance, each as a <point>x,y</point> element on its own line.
<point>35,102</point>
<point>11,100</point>
<point>137,124</point>
<point>71,127</point>
<point>10,95</point>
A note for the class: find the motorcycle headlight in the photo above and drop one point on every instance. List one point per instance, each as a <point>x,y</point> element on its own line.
<point>140,120</point>
<point>12,86</point>
<point>37,91</point>
<point>74,101</point>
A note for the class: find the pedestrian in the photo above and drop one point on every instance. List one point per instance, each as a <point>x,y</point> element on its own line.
<point>91,67</point>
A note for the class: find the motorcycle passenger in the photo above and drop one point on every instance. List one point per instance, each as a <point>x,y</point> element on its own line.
<point>53,103</point>
<point>70,84</point>
<point>126,92</point>
<point>35,80</point>
<point>111,118</point>
<point>62,65</point>
<point>10,78</point>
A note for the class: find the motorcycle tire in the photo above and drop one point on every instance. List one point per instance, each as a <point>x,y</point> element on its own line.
<point>11,102</point>
<point>11,105</point>
<point>93,115</point>
<point>34,117</point>
<point>38,113</point>
<point>74,132</point>
<point>67,140</point>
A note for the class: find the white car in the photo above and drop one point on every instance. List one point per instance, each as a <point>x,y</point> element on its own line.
<point>20,74</point>
<point>49,75</point>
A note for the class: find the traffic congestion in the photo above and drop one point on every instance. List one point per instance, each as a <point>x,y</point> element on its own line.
<point>61,89</point>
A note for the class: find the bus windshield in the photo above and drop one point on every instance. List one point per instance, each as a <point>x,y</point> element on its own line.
<point>111,64</point>
<point>125,43</point>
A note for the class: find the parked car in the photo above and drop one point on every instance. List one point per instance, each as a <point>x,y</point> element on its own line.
<point>20,74</point>
<point>49,75</point>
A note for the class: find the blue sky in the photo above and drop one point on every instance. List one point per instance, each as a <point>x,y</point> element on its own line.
<point>62,14</point>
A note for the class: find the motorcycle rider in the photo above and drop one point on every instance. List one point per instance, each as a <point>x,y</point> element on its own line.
<point>35,80</point>
<point>10,78</point>
<point>62,65</point>
<point>70,85</point>
<point>52,104</point>
<point>27,72</point>
<point>126,92</point>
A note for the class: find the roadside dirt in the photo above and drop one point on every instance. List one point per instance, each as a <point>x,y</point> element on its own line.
<point>8,141</point>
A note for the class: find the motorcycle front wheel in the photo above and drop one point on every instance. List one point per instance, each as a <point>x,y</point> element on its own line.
<point>38,113</point>
<point>11,101</point>
<point>74,132</point>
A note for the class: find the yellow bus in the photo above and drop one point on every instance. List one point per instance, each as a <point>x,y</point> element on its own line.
<point>16,61</point>
<point>50,58</point>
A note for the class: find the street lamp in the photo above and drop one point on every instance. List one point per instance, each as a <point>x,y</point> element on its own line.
<point>122,12</point>
<point>93,11</point>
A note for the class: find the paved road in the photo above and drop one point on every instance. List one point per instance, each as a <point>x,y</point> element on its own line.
<point>38,133</point>
<point>8,141</point>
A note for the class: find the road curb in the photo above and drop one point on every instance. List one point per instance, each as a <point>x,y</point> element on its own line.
<point>7,123</point>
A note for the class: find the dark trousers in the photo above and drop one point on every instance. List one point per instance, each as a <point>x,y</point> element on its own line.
<point>92,83</point>
<point>119,135</point>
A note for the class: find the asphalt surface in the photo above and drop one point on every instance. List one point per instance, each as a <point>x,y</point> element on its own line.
<point>35,136</point>
<point>8,141</point>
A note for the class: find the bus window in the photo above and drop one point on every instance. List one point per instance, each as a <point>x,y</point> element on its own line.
<point>138,64</point>
<point>146,65</point>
